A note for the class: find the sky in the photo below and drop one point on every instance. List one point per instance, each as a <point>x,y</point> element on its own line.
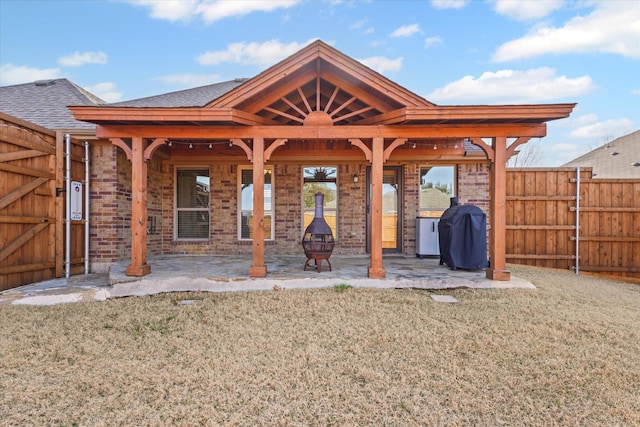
<point>451,52</point>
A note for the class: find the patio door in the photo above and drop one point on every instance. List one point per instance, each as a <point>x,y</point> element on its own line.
<point>391,209</point>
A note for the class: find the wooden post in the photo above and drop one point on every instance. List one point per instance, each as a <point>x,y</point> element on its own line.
<point>376,270</point>
<point>258,269</point>
<point>497,207</point>
<point>139,266</point>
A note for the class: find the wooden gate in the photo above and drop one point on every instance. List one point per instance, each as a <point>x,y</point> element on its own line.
<point>548,224</point>
<point>32,207</point>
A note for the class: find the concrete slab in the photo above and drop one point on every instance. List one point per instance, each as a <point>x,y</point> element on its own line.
<point>207,273</point>
<point>444,298</point>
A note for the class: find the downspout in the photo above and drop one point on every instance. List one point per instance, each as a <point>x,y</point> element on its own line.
<point>67,221</point>
<point>86,207</point>
<point>577,219</point>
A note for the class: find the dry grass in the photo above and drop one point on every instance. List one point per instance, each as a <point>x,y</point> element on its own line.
<point>567,353</point>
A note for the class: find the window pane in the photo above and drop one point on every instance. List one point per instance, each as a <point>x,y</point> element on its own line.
<point>193,224</point>
<point>437,185</point>
<point>246,204</point>
<point>193,188</point>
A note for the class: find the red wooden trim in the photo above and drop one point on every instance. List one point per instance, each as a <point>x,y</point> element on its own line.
<point>240,143</point>
<point>516,144</point>
<point>485,147</point>
<point>323,132</point>
<point>395,144</point>
<point>274,145</point>
<point>120,143</point>
<point>358,143</point>
<point>148,152</point>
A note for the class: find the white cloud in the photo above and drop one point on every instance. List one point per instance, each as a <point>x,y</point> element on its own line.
<point>107,91</point>
<point>613,27</point>
<point>563,147</point>
<point>526,10</point>
<point>430,41</point>
<point>449,4</point>
<point>635,92</point>
<point>406,31</point>
<point>513,87</point>
<point>189,80</point>
<point>358,24</point>
<point>382,64</point>
<point>77,59</point>
<point>209,10</point>
<point>261,54</point>
<point>604,130</point>
<point>12,75</point>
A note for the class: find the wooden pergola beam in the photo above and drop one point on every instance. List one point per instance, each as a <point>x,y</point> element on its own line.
<point>508,130</point>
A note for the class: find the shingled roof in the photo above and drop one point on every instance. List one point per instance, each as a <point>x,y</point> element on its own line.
<point>195,97</point>
<point>45,102</point>
<point>619,158</point>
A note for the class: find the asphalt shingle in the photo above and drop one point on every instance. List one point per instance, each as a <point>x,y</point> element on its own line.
<point>45,103</point>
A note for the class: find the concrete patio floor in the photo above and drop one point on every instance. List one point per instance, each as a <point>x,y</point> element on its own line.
<point>229,273</point>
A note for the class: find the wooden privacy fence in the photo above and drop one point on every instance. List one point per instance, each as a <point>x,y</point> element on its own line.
<point>554,214</point>
<point>32,208</point>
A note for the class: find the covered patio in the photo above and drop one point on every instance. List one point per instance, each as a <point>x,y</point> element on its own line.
<point>317,105</point>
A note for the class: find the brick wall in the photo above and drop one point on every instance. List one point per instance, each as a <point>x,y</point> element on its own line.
<point>111,206</point>
<point>473,184</point>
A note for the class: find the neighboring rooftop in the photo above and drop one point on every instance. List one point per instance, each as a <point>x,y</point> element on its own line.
<point>45,102</point>
<point>619,158</point>
<point>195,97</point>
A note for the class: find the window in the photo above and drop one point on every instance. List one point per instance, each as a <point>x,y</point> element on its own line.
<point>437,186</point>
<point>245,196</point>
<point>192,204</point>
<point>320,179</point>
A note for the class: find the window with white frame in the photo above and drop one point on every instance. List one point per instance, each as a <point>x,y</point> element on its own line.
<point>321,179</point>
<point>245,205</point>
<point>192,204</point>
<point>437,186</point>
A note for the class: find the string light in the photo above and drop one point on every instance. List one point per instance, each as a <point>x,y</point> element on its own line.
<point>435,146</point>
<point>190,145</point>
<point>414,145</point>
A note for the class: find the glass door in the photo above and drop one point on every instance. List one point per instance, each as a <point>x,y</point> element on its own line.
<point>391,209</point>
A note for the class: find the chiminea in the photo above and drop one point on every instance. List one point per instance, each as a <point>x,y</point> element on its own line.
<point>318,239</point>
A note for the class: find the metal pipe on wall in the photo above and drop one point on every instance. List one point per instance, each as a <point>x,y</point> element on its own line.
<point>67,221</point>
<point>87,216</point>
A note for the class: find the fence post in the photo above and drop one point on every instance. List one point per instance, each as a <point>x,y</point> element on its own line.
<point>577,219</point>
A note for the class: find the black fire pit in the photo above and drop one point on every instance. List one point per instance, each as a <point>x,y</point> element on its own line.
<point>318,241</point>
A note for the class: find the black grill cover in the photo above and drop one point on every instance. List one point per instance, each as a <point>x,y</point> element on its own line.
<point>463,237</point>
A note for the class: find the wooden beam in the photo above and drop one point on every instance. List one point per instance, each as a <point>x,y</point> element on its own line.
<point>240,143</point>
<point>20,155</point>
<point>148,152</point>
<point>139,266</point>
<point>258,269</point>
<point>16,243</point>
<point>376,269</point>
<point>18,193</point>
<point>274,145</point>
<point>323,132</point>
<point>497,208</point>
<point>361,145</point>
<point>395,144</point>
<point>123,145</point>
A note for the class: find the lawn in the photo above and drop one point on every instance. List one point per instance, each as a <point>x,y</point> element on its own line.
<point>567,353</point>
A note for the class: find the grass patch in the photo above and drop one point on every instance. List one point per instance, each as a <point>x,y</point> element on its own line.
<point>342,287</point>
<point>564,354</point>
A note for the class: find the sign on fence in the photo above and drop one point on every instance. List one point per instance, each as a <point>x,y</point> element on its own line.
<point>76,201</point>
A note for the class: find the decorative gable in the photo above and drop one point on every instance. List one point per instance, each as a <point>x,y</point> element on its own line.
<point>320,86</point>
